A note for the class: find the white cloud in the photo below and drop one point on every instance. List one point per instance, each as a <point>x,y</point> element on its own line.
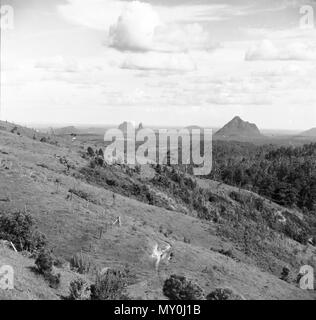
<point>135,27</point>
<point>95,14</point>
<point>58,64</point>
<point>140,26</point>
<point>266,50</point>
<point>184,37</point>
<point>159,61</point>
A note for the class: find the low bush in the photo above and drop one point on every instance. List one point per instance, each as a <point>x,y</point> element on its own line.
<point>80,263</point>
<point>79,290</point>
<point>53,280</point>
<point>179,288</point>
<point>19,228</point>
<point>109,286</point>
<point>236,196</point>
<point>224,294</point>
<point>44,262</point>
<point>285,274</point>
<point>90,152</point>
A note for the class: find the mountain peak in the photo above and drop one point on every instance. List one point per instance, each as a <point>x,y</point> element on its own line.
<point>237,119</point>
<point>238,129</point>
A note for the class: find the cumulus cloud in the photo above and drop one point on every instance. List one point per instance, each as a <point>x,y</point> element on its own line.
<point>159,61</point>
<point>135,27</point>
<point>139,28</point>
<point>266,50</point>
<point>58,64</point>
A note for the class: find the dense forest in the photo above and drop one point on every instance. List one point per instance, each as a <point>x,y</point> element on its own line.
<point>286,175</point>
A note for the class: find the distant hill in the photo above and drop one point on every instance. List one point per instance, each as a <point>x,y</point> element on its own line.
<point>238,129</point>
<point>66,130</point>
<point>19,130</point>
<point>309,133</point>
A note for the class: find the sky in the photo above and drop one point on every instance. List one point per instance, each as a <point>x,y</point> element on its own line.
<point>160,62</point>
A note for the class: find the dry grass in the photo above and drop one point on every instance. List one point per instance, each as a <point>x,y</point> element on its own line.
<point>73,226</point>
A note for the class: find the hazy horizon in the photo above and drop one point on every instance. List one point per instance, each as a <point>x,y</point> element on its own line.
<point>110,125</point>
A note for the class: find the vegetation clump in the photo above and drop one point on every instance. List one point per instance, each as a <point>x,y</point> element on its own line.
<point>79,290</point>
<point>179,288</point>
<point>19,228</point>
<point>223,294</point>
<point>110,285</point>
<point>81,263</point>
<point>44,263</point>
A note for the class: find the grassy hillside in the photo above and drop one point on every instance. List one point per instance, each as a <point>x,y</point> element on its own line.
<point>75,206</point>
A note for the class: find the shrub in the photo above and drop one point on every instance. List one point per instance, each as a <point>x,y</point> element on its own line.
<point>79,290</point>
<point>19,228</point>
<point>179,288</point>
<point>259,204</point>
<point>92,164</point>
<point>101,153</point>
<point>204,213</point>
<point>53,280</point>
<point>227,253</point>
<point>237,197</point>
<point>90,152</point>
<point>223,294</point>
<point>44,262</point>
<point>80,263</point>
<point>111,182</point>
<point>292,231</point>
<point>99,161</point>
<point>59,262</point>
<point>109,286</point>
<point>285,274</point>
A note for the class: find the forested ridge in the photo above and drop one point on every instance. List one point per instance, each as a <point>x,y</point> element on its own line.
<point>286,175</point>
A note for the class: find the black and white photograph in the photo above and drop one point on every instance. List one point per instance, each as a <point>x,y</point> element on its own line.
<point>158,151</point>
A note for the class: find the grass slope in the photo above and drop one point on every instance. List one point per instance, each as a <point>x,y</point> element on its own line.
<point>34,177</point>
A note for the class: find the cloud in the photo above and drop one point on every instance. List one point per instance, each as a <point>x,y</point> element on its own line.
<point>139,28</point>
<point>266,50</point>
<point>135,27</point>
<point>58,64</point>
<point>95,14</point>
<point>184,37</point>
<point>159,61</point>
<point>239,99</point>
